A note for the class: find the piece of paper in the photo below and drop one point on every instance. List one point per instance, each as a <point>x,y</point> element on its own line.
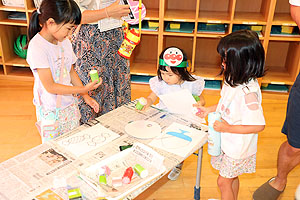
<point>88,139</point>
<point>107,24</point>
<point>178,139</point>
<point>181,102</point>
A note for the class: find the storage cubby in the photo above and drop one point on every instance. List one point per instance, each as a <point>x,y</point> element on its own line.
<point>152,12</point>
<point>5,20</point>
<point>252,12</point>
<point>144,58</point>
<point>184,43</point>
<point>205,16</point>
<point>207,59</point>
<point>186,28</point>
<point>1,68</point>
<point>22,72</point>
<point>178,10</point>
<point>212,30</point>
<point>259,29</point>
<point>282,14</point>
<point>282,62</point>
<point>10,33</point>
<point>215,11</point>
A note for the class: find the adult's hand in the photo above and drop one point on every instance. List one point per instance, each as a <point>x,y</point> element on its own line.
<point>116,10</point>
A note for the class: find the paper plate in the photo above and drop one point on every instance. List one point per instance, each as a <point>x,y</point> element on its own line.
<point>143,129</point>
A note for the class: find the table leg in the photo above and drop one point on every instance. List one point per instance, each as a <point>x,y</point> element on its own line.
<point>198,176</point>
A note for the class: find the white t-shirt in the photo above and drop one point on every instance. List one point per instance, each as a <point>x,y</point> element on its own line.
<point>242,109</point>
<point>43,54</point>
<point>161,87</point>
<point>295,2</point>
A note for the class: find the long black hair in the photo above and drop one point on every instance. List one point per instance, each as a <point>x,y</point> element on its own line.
<point>244,56</point>
<point>182,72</point>
<point>62,11</point>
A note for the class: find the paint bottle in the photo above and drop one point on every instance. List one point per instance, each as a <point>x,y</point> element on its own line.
<point>214,137</point>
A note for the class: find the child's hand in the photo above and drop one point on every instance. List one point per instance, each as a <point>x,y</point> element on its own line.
<point>203,111</point>
<point>91,102</point>
<point>222,126</point>
<point>146,106</point>
<point>93,85</point>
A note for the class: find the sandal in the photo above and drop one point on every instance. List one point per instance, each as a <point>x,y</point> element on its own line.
<point>267,192</point>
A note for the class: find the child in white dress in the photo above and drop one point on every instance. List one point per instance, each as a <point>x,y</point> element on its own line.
<point>243,58</point>
<point>172,76</point>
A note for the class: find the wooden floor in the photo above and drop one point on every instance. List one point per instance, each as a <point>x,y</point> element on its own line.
<point>18,134</point>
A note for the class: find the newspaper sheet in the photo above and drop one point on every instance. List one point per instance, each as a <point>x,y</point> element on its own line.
<point>34,172</point>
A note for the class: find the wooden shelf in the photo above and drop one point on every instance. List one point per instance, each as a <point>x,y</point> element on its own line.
<point>283,19</point>
<point>143,68</point>
<point>208,72</point>
<point>214,17</point>
<point>17,61</point>
<point>13,22</point>
<point>178,34</point>
<point>152,14</point>
<point>180,15</point>
<point>19,72</point>
<point>149,32</point>
<point>1,61</point>
<point>278,75</point>
<point>211,35</point>
<point>249,18</point>
<point>12,8</point>
<point>285,38</point>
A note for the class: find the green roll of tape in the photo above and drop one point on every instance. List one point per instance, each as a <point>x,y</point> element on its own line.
<point>141,103</point>
<point>102,179</point>
<point>196,97</point>
<point>140,171</point>
<point>94,76</point>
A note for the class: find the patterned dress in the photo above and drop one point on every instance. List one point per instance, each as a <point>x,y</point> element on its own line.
<point>98,50</point>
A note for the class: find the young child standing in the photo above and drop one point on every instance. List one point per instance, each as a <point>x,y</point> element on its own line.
<point>243,59</point>
<point>50,57</point>
<point>172,76</point>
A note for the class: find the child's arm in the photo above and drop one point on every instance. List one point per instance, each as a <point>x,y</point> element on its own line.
<point>239,129</point>
<point>150,100</point>
<point>75,80</point>
<point>46,78</point>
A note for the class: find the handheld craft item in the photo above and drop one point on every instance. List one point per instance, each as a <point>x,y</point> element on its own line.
<point>94,75</point>
<point>126,179</point>
<point>173,57</point>
<point>141,103</point>
<point>132,37</point>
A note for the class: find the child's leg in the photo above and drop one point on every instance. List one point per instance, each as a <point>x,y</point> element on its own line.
<point>235,187</point>
<point>229,187</point>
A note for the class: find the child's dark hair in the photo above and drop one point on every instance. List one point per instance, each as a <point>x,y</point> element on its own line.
<point>244,56</point>
<point>62,11</point>
<point>182,72</point>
